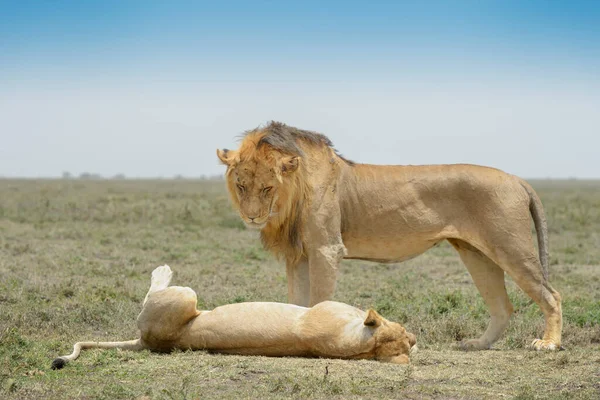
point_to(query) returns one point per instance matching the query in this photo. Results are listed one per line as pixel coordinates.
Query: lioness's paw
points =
(540, 344)
(473, 345)
(161, 277)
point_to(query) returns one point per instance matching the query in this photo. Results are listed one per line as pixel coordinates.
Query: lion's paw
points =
(541, 344)
(161, 277)
(473, 345)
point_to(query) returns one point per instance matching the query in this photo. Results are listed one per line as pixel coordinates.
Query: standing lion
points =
(314, 208)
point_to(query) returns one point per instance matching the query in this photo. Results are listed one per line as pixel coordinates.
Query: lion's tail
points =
(61, 361)
(541, 227)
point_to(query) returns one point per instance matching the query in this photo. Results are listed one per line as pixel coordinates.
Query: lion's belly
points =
(388, 249)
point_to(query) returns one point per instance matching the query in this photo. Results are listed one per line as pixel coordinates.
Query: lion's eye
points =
(241, 188)
(267, 189)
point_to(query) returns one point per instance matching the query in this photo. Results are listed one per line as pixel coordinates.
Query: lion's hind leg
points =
(519, 259)
(529, 278)
(161, 278)
(489, 280)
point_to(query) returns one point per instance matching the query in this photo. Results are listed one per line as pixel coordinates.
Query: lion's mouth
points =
(260, 222)
(256, 225)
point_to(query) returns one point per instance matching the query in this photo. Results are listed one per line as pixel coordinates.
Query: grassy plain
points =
(75, 261)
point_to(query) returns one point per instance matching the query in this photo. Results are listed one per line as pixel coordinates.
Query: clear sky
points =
(148, 88)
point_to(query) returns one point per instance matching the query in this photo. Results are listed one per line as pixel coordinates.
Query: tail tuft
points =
(58, 363)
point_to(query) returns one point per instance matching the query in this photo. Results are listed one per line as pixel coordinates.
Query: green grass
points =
(75, 260)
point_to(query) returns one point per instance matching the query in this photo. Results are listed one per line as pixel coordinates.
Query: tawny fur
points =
(170, 320)
(314, 208)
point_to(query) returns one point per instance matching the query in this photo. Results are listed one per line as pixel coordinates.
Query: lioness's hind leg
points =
(489, 279)
(161, 278)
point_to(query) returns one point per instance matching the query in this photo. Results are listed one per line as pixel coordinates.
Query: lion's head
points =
(258, 178)
(269, 184)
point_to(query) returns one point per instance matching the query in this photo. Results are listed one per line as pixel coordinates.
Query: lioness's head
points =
(392, 342)
(258, 180)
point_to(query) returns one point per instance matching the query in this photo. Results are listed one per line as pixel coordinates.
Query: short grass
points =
(75, 260)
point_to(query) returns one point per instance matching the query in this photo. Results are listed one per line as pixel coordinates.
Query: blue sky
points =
(111, 87)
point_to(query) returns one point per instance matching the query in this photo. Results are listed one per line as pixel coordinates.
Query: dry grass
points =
(75, 259)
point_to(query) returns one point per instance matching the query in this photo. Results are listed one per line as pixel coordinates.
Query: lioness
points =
(314, 208)
(169, 320)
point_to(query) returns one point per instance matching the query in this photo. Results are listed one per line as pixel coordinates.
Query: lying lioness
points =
(169, 320)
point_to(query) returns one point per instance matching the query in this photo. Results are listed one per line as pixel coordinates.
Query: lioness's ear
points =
(289, 164)
(373, 319)
(412, 339)
(227, 157)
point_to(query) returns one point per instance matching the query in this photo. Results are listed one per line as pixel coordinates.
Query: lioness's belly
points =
(246, 328)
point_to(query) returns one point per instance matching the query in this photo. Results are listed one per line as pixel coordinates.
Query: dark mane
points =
(285, 138)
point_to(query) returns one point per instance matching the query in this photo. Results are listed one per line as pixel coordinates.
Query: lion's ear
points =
(289, 164)
(227, 157)
(373, 319)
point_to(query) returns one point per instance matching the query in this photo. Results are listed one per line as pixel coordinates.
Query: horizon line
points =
(213, 177)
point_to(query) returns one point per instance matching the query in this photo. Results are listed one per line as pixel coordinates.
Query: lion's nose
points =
(252, 218)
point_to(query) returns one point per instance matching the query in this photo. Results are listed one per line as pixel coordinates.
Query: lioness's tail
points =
(61, 361)
(541, 227)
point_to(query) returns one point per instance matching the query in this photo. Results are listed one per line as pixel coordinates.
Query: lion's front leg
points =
(323, 268)
(324, 246)
(298, 282)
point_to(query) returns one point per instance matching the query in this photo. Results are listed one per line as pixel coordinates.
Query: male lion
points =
(169, 320)
(314, 208)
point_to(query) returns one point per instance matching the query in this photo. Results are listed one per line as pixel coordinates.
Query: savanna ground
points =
(75, 262)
